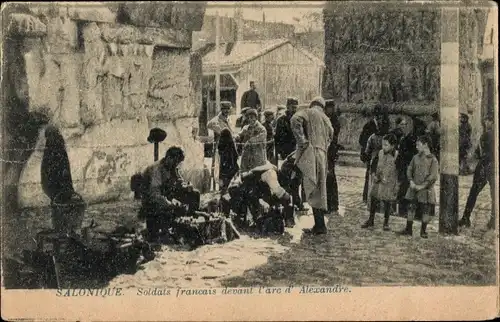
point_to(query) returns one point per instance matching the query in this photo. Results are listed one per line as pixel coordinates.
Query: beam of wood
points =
(449, 112)
(234, 79)
(410, 109)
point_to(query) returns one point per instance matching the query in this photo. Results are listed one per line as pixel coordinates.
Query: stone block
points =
(168, 96)
(61, 35)
(26, 25)
(104, 157)
(126, 34)
(188, 16)
(95, 12)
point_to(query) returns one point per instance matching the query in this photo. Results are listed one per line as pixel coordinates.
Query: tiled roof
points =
(242, 52)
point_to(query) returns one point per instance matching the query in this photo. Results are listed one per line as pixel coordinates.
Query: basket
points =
(67, 216)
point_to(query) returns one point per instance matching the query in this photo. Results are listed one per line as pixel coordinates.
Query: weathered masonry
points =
(105, 74)
(391, 53)
(279, 68)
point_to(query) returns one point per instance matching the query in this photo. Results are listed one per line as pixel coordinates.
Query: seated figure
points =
(259, 192)
(164, 193)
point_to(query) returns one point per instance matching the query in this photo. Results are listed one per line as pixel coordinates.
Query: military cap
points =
(319, 101)
(251, 111)
(226, 104)
(243, 110)
(292, 101)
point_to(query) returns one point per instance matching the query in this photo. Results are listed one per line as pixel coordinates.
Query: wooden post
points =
(217, 93)
(217, 62)
(449, 113)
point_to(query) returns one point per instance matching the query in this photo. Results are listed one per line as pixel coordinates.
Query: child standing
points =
(385, 181)
(422, 174)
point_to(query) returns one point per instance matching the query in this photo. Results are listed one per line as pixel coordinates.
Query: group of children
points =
(422, 173)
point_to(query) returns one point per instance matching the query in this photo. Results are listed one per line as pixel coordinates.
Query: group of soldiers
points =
(305, 141)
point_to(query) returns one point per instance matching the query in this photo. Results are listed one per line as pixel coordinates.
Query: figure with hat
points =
(284, 139)
(314, 133)
(218, 124)
(251, 99)
(268, 124)
(221, 120)
(464, 134)
(370, 128)
(483, 174)
(166, 194)
(254, 162)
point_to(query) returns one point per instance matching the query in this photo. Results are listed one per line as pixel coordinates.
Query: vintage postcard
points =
(249, 161)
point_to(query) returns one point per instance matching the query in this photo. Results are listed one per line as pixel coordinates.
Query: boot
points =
(465, 221)
(289, 216)
(319, 227)
(408, 231)
(370, 222)
(423, 233)
(386, 223)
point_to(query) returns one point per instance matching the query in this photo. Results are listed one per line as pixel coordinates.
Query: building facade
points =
(278, 68)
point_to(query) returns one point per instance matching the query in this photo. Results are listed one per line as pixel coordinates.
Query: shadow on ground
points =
(353, 256)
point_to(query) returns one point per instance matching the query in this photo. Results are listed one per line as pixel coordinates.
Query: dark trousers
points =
(482, 175)
(332, 191)
(367, 180)
(402, 202)
(160, 218)
(295, 191)
(375, 204)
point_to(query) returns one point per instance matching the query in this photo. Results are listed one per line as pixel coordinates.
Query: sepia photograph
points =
(229, 151)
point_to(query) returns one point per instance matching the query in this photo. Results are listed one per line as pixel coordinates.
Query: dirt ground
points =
(347, 255)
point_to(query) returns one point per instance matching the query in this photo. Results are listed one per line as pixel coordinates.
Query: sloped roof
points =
(242, 52)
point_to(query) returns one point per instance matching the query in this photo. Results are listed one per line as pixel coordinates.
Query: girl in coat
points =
(385, 181)
(373, 147)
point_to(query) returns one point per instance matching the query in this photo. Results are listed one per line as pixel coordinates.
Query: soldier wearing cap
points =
(251, 98)
(241, 120)
(284, 138)
(221, 120)
(268, 124)
(314, 133)
(219, 123)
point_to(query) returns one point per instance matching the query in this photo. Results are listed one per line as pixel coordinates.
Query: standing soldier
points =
(314, 133)
(284, 139)
(332, 187)
(251, 99)
(484, 173)
(219, 123)
(268, 124)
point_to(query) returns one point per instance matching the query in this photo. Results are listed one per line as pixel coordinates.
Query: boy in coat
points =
(422, 173)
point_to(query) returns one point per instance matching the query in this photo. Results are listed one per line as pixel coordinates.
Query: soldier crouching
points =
(165, 195)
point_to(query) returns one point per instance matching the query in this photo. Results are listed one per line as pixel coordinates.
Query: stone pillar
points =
(449, 111)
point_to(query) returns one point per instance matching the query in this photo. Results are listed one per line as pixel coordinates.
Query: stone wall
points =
(392, 54)
(106, 84)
